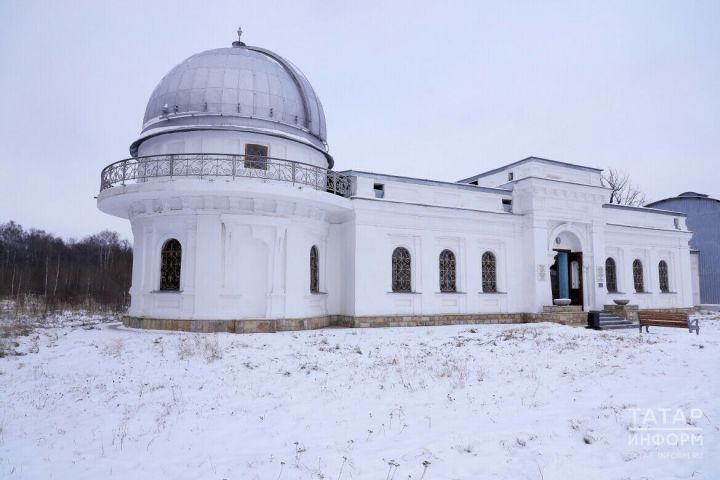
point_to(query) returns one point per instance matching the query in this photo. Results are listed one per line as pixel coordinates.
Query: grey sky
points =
(438, 90)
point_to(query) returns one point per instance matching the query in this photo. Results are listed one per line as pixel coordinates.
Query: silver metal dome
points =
(239, 88)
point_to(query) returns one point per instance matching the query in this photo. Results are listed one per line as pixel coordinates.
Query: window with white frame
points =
(638, 277)
(314, 270)
(664, 277)
(611, 275)
(489, 273)
(448, 272)
(170, 262)
(401, 270)
(256, 156)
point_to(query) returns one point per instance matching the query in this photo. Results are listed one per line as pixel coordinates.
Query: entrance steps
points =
(610, 321)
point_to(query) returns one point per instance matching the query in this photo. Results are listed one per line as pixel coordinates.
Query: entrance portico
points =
(566, 270)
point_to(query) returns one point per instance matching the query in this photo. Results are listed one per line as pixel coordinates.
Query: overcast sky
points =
(439, 90)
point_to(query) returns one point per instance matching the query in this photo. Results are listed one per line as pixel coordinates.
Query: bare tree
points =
(95, 270)
(622, 190)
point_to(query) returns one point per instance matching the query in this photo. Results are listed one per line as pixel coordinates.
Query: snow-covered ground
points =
(539, 401)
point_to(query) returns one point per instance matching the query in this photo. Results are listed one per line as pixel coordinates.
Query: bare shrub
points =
(456, 370)
(210, 348)
(185, 349)
(205, 345)
(115, 348)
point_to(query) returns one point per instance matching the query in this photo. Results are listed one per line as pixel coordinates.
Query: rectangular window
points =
(510, 176)
(256, 156)
(379, 190)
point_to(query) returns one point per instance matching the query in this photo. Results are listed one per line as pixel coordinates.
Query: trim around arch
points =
(567, 227)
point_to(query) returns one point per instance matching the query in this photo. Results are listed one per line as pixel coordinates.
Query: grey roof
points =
(685, 195)
(644, 209)
(241, 87)
(529, 159)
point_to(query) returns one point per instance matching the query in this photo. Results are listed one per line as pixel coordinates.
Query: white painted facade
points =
(246, 241)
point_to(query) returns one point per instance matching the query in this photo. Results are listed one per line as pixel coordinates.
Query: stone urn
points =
(562, 302)
(621, 301)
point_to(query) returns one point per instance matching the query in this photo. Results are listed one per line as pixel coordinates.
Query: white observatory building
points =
(241, 224)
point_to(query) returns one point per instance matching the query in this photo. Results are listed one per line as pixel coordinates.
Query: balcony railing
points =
(201, 165)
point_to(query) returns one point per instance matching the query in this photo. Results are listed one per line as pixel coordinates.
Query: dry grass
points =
(205, 345)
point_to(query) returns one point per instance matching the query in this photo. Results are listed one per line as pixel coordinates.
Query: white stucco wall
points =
(540, 168)
(230, 142)
(695, 274)
(246, 245)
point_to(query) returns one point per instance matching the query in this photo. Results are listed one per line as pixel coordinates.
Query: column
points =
(563, 275)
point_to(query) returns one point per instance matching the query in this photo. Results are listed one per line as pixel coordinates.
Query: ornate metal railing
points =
(200, 165)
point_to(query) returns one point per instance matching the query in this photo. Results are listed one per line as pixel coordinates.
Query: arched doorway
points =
(566, 272)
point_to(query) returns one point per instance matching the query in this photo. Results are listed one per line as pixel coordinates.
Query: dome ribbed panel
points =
(239, 83)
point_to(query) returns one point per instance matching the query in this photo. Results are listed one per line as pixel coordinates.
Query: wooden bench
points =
(667, 319)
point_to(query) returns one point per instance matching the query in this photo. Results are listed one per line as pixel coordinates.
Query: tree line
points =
(47, 272)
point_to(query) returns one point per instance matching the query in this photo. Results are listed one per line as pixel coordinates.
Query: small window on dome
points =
(256, 156)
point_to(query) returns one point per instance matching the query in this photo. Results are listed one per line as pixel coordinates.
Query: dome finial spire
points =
(238, 42)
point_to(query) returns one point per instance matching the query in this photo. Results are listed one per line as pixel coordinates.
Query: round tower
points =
(230, 193)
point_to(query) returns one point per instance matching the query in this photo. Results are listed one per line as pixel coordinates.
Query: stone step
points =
(614, 322)
(620, 327)
(611, 321)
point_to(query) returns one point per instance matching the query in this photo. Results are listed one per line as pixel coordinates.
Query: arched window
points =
(401, 270)
(489, 273)
(611, 275)
(170, 261)
(314, 270)
(638, 276)
(664, 280)
(447, 271)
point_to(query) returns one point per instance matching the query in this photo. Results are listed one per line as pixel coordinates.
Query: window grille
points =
(401, 270)
(664, 280)
(314, 270)
(638, 276)
(170, 261)
(611, 275)
(447, 272)
(489, 273)
(256, 156)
